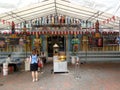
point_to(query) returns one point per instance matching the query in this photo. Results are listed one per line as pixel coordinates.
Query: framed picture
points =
(95, 42)
(99, 42)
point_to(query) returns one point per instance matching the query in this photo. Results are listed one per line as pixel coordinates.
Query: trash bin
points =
(27, 64)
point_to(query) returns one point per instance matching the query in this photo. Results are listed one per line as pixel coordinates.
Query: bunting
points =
(108, 20)
(5, 22)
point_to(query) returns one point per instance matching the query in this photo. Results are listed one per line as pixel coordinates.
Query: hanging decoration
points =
(108, 20)
(28, 33)
(39, 33)
(87, 32)
(104, 33)
(64, 32)
(109, 33)
(71, 32)
(5, 22)
(13, 27)
(67, 32)
(5, 33)
(92, 33)
(77, 32)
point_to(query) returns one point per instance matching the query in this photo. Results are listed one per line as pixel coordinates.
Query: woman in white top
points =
(34, 65)
(10, 63)
(8, 60)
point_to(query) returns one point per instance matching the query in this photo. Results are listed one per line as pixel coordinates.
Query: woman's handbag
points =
(40, 64)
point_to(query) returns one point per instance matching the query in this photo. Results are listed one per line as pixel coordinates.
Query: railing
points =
(14, 55)
(98, 55)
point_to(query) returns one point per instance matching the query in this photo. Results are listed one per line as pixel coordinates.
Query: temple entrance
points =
(51, 40)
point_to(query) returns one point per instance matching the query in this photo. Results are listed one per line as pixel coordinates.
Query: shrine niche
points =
(2, 42)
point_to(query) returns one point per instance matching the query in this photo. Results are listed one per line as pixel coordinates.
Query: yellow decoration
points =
(13, 36)
(37, 43)
(84, 38)
(62, 58)
(97, 35)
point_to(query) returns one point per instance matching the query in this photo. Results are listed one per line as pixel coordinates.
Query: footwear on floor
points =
(41, 72)
(33, 80)
(36, 80)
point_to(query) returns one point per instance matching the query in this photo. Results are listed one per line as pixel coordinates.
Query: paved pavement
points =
(90, 76)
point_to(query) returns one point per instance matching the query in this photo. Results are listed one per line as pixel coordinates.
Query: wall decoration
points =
(2, 43)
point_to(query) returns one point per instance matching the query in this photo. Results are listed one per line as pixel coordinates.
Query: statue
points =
(97, 26)
(75, 41)
(13, 27)
(37, 43)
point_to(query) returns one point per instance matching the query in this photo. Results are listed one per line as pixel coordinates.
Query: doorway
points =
(59, 40)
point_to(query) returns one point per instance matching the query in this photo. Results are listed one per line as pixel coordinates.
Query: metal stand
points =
(77, 68)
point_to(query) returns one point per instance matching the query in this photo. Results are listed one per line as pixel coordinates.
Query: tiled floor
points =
(92, 76)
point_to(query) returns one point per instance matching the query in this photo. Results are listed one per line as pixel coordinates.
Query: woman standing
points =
(34, 65)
